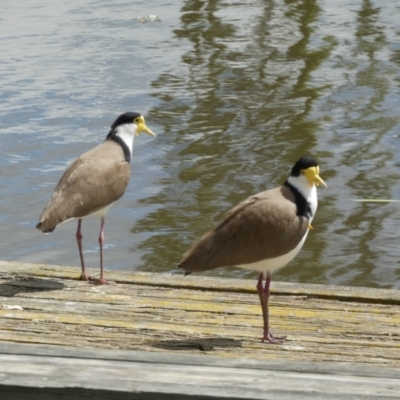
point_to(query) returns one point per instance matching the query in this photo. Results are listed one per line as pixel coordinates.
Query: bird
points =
(262, 233)
(94, 182)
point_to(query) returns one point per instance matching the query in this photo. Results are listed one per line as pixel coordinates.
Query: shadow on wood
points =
(201, 344)
(28, 285)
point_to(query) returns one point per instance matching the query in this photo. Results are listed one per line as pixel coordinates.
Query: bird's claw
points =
(270, 338)
(84, 277)
(100, 281)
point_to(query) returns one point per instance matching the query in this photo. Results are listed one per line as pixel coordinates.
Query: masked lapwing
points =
(94, 182)
(262, 233)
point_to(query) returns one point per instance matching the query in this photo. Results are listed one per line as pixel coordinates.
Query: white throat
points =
(127, 133)
(309, 192)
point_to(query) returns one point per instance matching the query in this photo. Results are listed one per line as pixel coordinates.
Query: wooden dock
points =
(192, 337)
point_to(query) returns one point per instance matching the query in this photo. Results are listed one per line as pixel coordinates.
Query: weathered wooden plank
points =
(194, 281)
(197, 315)
(50, 372)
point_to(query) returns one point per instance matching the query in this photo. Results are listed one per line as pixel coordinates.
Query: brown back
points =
(263, 226)
(96, 179)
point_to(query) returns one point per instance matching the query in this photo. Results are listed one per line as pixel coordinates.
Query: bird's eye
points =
(136, 120)
(303, 172)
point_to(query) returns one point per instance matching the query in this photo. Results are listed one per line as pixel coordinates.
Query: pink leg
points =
(79, 236)
(263, 293)
(101, 281)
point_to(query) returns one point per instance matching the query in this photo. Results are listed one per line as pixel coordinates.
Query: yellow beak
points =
(312, 175)
(141, 127)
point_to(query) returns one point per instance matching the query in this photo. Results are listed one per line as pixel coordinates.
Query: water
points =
(236, 92)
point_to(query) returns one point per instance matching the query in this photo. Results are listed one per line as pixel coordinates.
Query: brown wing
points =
(93, 181)
(262, 227)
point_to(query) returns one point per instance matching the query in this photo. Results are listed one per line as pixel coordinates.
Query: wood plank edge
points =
(197, 360)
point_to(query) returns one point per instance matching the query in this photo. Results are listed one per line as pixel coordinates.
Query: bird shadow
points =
(208, 344)
(24, 284)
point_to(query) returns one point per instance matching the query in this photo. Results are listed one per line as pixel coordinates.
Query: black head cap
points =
(125, 118)
(303, 163)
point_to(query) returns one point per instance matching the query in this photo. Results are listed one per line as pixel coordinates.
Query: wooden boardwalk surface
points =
(175, 315)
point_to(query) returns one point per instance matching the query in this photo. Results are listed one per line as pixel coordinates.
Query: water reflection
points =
(241, 99)
(360, 239)
(262, 85)
(366, 119)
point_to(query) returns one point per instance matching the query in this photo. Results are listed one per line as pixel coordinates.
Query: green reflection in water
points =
(358, 245)
(236, 117)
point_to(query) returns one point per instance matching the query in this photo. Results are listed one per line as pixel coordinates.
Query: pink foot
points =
(100, 281)
(83, 277)
(270, 338)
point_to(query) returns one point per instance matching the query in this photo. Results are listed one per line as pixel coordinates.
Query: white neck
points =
(127, 133)
(309, 192)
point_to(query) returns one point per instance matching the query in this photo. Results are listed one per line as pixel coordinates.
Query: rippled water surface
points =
(236, 92)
